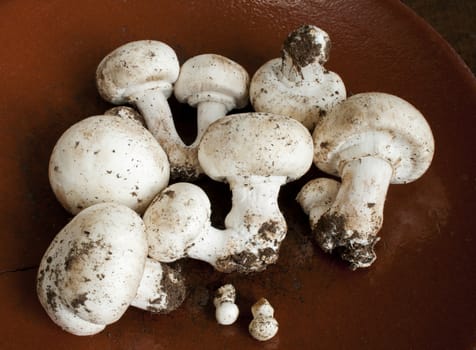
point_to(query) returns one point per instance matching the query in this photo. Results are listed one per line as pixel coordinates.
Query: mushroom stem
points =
(155, 109)
(356, 215)
(161, 288)
(255, 203)
(209, 245)
(254, 226)
(153, 105)
(295, 73)
(207, 113)
(304, 51)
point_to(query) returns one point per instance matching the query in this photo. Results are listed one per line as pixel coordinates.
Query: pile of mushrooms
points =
(113, 171)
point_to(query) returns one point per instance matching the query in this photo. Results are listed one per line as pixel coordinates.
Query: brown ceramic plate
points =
(420, 294)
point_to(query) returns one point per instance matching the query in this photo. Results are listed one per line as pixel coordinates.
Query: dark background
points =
(455, 20)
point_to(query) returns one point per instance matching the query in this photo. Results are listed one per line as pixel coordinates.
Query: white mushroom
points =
(370, 140)
(255, 153)
(214, 85)
(263, 326)
(226, 311)
(96, 267)
(297, 84)
(107, 158)
(142, 73)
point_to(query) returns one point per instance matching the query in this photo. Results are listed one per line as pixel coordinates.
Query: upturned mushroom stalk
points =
(255, 153)
(370, 140)
(297, 84)
(207, 113)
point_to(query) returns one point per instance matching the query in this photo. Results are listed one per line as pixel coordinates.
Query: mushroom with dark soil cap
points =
(97, 266)
(370, 140)
(255, 153)
(297, 84)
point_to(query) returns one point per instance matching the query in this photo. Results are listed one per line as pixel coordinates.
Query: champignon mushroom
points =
(297, 84)
(96, 267)
(263, 326)
(107, 158)
(370, 140)
(255, 153)
(226, 311)
(142, 73)
(215, 85)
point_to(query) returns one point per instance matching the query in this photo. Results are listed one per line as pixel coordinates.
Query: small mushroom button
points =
(226, 311)
(263, 326)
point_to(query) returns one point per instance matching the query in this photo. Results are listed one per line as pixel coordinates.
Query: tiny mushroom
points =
(226, 311)
(263, 326)
(370, 140)
(297, 84)
(107, 158)
(97, 266)
(255, 153)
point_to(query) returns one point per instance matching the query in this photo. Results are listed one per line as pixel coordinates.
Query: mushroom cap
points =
(375, 124)
(303, 100)
(91, 271)
(174, 219)
(261, 144)
(107, 158)
(317, 194)
(136, 66)
(211, 77)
